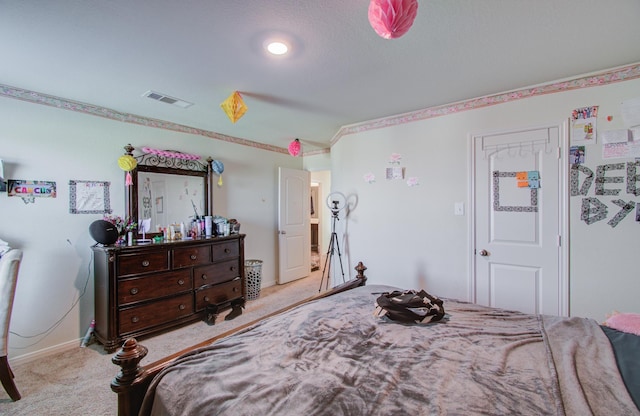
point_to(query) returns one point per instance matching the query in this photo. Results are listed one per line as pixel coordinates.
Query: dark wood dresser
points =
(145, 289)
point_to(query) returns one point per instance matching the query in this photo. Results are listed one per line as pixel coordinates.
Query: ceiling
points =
(340, 72)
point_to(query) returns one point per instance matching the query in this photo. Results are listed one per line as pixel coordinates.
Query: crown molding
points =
(94, 110)
(611, 76)
(620, 74)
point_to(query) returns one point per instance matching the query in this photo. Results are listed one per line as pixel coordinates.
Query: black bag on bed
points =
(410, 306)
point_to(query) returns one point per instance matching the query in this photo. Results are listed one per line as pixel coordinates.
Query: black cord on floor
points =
(49, 330)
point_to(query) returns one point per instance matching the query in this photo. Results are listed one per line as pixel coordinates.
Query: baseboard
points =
(267, 283)
(45, 352)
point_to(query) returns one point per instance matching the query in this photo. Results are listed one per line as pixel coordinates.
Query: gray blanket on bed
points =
(333, 357)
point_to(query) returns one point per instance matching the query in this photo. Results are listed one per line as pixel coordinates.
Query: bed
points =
(332, 356)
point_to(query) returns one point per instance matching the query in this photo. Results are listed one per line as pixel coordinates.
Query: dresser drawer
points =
(227, 250)
(153, 261)
(143, 289)
(156, 286)
(155, 313)
(191, 256)
(216, 273)
(215, 295)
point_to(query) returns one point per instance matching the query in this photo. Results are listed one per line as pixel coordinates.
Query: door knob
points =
(283, 232)
(483, 253)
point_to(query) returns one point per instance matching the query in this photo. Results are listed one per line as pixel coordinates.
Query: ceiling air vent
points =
(166, 99)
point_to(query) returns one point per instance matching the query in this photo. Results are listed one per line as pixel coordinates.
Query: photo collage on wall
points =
(606, 180)
(393, 172)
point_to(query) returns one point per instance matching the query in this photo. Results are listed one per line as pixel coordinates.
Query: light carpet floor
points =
(77, 382)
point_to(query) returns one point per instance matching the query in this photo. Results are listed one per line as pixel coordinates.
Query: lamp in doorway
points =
(295, 147)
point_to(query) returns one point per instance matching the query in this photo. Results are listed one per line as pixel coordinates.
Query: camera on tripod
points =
(335, 205)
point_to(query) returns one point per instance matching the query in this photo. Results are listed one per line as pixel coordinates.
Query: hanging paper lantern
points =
(218, 168)
(127, 163)
(234, 106)
(295, 147)
(392, 18)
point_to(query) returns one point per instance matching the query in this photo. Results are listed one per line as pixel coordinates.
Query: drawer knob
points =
(232, 268)
(226, 250)
(235, 289)
(206, 298)
(180, 282)
(134, 291)
(204, 277)
(135, 319)
(145, 263)
(193, 257)
(181, 307)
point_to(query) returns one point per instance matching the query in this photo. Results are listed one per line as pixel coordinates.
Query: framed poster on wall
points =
(89, 197)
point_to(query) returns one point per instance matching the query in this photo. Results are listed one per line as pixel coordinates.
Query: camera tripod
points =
(333, 246)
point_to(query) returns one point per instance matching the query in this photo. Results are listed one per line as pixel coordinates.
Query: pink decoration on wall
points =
(392, 18)
(294, 147)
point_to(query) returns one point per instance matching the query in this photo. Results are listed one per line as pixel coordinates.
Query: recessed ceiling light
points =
(277, 48)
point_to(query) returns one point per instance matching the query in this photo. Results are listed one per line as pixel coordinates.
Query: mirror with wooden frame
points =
(167, 190)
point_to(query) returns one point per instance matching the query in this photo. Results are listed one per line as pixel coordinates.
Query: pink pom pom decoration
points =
(294, 148)
(392, 18)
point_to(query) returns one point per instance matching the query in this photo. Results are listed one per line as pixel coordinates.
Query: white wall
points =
(45, 143)
(409, 236)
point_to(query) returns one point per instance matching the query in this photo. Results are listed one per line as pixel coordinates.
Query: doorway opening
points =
(315, 225)
(320, 217)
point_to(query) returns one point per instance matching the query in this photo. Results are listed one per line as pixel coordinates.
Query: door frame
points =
(563, 209)
(286, 276)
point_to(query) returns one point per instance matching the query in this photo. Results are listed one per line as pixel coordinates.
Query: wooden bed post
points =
(129, 395)
(360, 268)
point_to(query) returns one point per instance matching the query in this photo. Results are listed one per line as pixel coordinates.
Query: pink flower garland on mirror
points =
(392, 18)
(170, 153)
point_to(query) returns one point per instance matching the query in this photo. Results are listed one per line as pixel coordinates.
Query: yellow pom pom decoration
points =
(127, 163)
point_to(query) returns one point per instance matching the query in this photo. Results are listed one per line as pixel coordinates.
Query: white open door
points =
(519, 221)
(294, 224)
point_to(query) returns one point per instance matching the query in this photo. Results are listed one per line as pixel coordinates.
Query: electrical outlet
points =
(458, 208)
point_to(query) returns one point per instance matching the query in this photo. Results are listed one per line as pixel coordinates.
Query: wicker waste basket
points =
(253, 274)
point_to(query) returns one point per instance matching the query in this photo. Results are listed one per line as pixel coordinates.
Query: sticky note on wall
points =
(528, 179)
